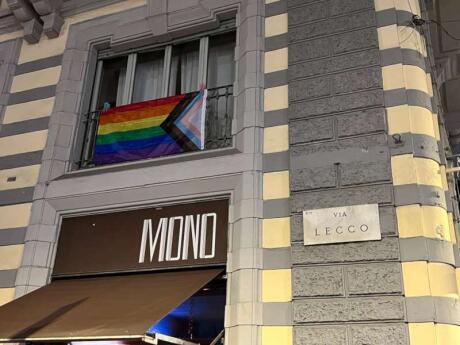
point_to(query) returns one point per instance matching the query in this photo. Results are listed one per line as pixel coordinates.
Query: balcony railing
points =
(218, 126)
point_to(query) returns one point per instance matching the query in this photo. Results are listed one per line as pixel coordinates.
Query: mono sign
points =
(152, 238)
(341, 224)
(180, 233)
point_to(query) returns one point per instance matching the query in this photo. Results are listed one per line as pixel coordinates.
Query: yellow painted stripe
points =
(21, 143)
(276, 25)
(11, 256)
(406, 37)
(32, 80)
(276, 335)
(447, 334)
(381, 5)
(15, 216)
(131, 125)
(426, 221)
(276, 139)
(24, 177)
(276, 60)
(276, 185)
(429, 279)
(412, 6)
(276, 285)
(276, 233)
(422, 333)
(410, 119)
(6, 295)
(457, 273)
(29, 110)
(407, 169)
(276, 98)
(400, 76)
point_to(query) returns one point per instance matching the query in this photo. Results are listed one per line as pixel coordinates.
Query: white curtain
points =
(148, 80)
(121, 86)
(187, 77)
(221, 65)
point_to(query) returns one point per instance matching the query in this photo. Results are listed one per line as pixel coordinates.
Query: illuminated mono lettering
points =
(175, 236)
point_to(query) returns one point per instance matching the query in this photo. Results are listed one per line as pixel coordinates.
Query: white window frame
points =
(131, 72)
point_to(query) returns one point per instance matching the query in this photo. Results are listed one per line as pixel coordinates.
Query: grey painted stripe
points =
(276, 42)
(16, 196)
(442, 153)
(21, 160)
(457, 256)
(277, 258)
(32, 95)
(275, 8)
(40, 64)
(397, 97)
(7, 278)
(276, 78)
(392, 16)
(411, 194)
(426, 249)
(277, 314)
(277, 208)
(449, 201)
(433, 309)
(395, 56)
(420, 145)
(24, 126)
(278, 161)
(12, 236)
(276, 118)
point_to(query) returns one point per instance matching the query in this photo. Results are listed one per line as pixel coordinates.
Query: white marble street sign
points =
(341, 224)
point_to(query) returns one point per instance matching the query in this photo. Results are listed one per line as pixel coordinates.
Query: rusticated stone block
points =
(310, 130)
(317, 281)
(348, 309)
(379, 335)
(376, 278)
(383, 250)
(328, 335)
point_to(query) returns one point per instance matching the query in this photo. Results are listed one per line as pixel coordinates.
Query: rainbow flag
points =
(151, 129)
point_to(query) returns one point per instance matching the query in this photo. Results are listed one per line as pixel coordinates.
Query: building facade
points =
(311, 105)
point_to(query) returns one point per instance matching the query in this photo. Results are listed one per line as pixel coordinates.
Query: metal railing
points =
(218, 126)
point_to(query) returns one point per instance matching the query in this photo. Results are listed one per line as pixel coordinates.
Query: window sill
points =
(150, 162)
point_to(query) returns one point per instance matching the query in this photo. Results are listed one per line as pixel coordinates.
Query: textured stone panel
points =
(383, 250)
(348, 309)
(327, 335)
(356, 40)
(379, 335)
(314, 178)
(309, 50)
(309, 88)
(309, 13)
(378, 278)
(357, 80)
(340, 197)
(335, 104)
(334, 64)
(361, 122)
(310, 130)
(338, 7)
(367, 172)
(317, 281)
(331, 26)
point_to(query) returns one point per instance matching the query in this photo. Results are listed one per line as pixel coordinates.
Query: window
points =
(162, 73)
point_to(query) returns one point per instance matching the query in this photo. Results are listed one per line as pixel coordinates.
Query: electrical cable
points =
(444, 29)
